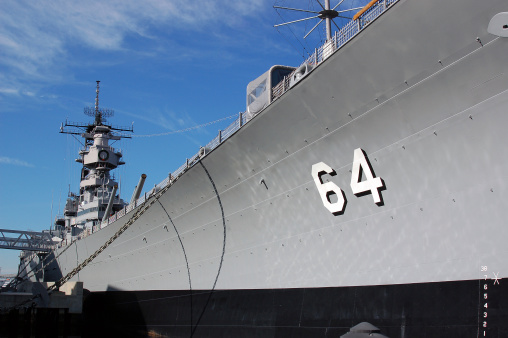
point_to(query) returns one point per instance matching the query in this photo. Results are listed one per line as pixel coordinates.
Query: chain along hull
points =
(423, 92)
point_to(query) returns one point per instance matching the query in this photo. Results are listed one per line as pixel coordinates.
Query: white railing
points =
(341, 37)
(130, 207)
(120, 213)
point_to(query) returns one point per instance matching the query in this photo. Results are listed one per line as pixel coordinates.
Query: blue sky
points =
(163, 65)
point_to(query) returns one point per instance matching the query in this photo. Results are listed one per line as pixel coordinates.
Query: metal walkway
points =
(25, 240)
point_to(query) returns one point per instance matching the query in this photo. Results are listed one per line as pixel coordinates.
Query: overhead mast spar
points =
(326, 15)
(99, 114)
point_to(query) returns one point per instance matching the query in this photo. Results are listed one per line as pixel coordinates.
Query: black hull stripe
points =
(445, 309)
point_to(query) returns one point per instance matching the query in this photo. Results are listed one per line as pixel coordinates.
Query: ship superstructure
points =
(97, 198)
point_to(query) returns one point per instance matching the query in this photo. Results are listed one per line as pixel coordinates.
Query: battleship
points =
(362, 193)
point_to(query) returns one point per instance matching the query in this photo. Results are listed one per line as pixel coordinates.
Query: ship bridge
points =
(26, 240)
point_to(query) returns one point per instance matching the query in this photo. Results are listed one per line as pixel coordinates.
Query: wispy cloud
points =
(168, 120)
(10, 91)
(35, 36)
(15, 161)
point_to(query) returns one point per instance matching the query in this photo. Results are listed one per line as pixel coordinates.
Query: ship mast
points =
(97, 112)
(327, 15)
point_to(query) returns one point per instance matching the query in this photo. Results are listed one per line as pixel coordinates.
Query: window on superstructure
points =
(260, 89)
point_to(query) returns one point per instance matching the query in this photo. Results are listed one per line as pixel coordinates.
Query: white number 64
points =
(360, 164)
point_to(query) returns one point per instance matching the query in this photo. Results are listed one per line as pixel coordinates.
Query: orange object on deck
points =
(364, 9)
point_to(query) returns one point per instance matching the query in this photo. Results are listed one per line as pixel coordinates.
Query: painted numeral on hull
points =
(328, 188)
(370, 184)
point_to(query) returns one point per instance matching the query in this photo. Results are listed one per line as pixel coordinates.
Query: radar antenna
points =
(327, 15)
(100, 114)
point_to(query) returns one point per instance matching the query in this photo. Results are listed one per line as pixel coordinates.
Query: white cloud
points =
(35, 35)
(10, 91)
(15, 161)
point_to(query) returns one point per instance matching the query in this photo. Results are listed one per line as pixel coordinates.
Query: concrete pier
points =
(48, 315)
(69, 296)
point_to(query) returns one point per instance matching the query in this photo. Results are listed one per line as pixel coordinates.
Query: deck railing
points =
(341, 37)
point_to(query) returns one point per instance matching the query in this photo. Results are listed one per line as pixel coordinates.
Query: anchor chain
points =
(120, 231)
(109, 241)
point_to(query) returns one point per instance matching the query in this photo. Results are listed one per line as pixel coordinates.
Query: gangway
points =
(26, 240)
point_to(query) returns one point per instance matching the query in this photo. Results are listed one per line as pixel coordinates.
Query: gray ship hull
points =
(242, 243)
